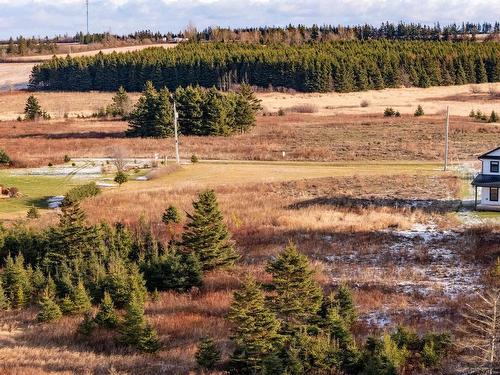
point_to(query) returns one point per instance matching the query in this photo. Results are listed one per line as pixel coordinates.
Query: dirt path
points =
(15, 75)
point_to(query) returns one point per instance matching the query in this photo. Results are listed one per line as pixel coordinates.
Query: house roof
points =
(486, 180)
(487, 155)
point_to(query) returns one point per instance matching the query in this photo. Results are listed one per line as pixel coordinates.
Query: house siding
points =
(485, 198)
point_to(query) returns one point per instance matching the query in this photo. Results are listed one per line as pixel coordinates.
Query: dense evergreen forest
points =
(341, 66)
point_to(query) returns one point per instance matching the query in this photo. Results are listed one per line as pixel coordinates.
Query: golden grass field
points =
(363, 196)
(434, 100)
(16, 72)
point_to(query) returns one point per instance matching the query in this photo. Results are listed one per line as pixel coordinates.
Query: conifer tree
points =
(208, 355)
(171, 215)
(255, 331)
(67, 305)
(81, 300)
(106, 316)
(17, 281)
(245, 108)
(121, 103)
(345, 303)
(135, 331)
(297, 297)
(33, 213)
(72, 238)
(190, 107)
(4, 302)
(87, 324)
(49, 310)
(207, 236)
(419, 111)
(33, 110)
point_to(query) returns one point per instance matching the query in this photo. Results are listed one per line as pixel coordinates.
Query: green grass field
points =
(34, 190)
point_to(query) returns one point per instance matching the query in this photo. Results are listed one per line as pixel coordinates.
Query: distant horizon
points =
(41, 18)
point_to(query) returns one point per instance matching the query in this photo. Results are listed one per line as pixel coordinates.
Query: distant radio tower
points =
(87, 4)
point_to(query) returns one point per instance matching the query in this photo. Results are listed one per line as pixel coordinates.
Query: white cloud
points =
(48, 17)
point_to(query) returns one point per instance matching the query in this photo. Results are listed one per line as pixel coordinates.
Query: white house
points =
(489, 181)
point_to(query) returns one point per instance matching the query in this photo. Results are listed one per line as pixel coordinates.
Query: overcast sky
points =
(52, 17)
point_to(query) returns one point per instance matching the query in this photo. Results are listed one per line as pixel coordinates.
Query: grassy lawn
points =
(34, 190)
(216, 173)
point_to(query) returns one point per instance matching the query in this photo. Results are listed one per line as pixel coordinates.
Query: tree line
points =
(200, 111)
(299, 34)
(341, 66)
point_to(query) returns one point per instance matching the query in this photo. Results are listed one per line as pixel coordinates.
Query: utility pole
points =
(446, 138)
(176, 117)
(87, 3)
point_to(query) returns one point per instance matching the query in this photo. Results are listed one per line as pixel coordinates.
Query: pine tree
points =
(419, 111)
(208, 355)
(493, 117)
(87, 324)
(106, 316)
(345, 303)
(246, 107)
(297, 297)
(49, 309)
(4, 302)
(33, 213)
(67, 305)
(255, 328)
(72, 238)
(207, 236)
(17, 281)
(4, 158)
(121, 103)
(135, 331)
(81, 300)
(33, 110)
(171, 215)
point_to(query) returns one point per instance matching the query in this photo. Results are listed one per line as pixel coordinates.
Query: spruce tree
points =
(171, 215)
(255, 331)
(135, 331)
(296, 295)
(4, 302)
(419, 111)
(208, 354)
(106, 316)
(49, 310)
(87, 324)
(207, 236)
(121, 103)
(33, 213)
(17, 281)
(246, 107)
(81, 300)
(345, 303)
(33, 110)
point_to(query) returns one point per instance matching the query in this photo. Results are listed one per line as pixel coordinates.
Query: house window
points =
(494, 167)
(494, 194)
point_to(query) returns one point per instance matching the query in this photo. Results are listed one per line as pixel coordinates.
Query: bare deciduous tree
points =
(481, 344)
(119, 155)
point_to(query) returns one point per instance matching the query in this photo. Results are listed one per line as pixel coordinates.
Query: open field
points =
(303, 137)
(460, 99)
(15, 74)
(400, 272)
(363, 196)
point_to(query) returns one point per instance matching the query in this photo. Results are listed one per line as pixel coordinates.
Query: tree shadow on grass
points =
(427, 205)
(74, 135)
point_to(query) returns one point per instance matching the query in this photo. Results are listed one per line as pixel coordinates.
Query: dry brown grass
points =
(304, 137)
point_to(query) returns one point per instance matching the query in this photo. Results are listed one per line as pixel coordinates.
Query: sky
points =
(54, 17)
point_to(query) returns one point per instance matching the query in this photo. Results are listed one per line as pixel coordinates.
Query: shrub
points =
(194, 159)
(281, 112)
(87, 325)
(33, 213)
(493, 117)
(472, 114)
(81, 192)
(208, 354)
(389, 112)
(4, 158)
(120, 178)
(397, 114)
(419, 111)
(364, 103)
(304, 108)
(67, 159)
